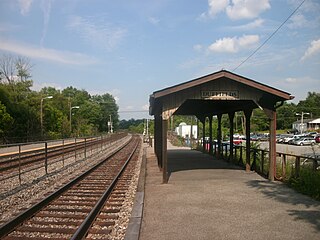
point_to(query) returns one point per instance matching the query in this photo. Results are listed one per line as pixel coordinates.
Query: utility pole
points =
(70, 114)
(301, 124)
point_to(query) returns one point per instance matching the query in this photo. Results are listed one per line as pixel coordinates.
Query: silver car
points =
(304, 141)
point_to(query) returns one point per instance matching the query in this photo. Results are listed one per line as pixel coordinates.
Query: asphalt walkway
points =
(211, 199)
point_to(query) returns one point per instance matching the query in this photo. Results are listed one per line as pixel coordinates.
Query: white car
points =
(304, 141)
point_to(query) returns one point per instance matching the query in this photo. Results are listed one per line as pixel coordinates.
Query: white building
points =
(308, 124)
(184, 130)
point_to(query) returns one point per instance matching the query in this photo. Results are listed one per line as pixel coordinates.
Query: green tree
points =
(310, 105)
(5, 120)
(286, 116)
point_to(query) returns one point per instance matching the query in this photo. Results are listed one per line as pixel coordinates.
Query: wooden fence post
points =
(262, 161)
(284, 166)
(19, 164)
(46, 157)
(297, 166)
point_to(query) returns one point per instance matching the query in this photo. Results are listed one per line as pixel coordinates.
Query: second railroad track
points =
(86, 207)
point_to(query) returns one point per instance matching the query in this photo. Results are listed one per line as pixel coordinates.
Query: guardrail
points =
(40, 155)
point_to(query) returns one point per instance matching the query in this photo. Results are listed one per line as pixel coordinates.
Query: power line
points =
(269, 37)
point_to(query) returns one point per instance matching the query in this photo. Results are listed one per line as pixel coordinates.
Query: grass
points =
(307, 183)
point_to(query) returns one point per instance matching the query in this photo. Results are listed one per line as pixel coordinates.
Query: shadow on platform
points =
(185, 159)
(284, 194)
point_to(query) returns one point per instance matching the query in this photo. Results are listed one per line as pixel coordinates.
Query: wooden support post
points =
(164, 152)
(297, 167)
(248, 113)
(284, 166)
(158, 139)
(198, 133)
(219, 135)
(241, 157)
(272, 142)
(262, 162)
(203, 121)
(231, 117)
(210, 136)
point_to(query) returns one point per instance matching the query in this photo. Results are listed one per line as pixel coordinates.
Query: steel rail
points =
(15, 222)
(86, 224)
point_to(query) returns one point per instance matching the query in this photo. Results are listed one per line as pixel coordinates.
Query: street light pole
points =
(301, 124)
(111, 128)
(41, 112)
(74, 107)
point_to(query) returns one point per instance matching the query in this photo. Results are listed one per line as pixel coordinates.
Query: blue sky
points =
(130, 48)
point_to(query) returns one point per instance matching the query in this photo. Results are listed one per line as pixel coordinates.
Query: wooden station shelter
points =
(215, 94)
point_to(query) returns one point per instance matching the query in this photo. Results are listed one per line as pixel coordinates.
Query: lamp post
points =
(41, 112)
(110, 125)
(74, 107)
(301, 124)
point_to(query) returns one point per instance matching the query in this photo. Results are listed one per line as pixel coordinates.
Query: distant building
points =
(308, 124)
(184, 130)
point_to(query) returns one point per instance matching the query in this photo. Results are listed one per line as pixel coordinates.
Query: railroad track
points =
(87, 207)
(12, 164)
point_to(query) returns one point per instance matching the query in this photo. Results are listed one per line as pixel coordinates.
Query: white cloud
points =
(216, 6)
(46, 9)
(24, 6)
(197, 47)
(235, 44)
(97, 32)
(8, 27)
(246, 9)
(297, 21)
(249, 26)
(145, 107)
(38, 86)
(313, 49)
(64, 57)
(291, 80)
(153, 20)
(237, 9)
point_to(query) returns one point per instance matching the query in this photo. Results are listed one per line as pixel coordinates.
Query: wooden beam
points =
(164, 152)
(272, 115)
(219, 116)
(210, 136)
(247, 114)
(158, 140)
(202, 119)
(231, 118)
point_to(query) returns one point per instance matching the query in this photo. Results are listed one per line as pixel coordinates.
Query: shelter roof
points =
(219, 92)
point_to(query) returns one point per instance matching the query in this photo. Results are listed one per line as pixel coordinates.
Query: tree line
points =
(28, 115)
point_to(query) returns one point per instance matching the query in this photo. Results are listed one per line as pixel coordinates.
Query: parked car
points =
(317, 139)
(287, 139)
(281, 137)
(295, 138)
(305, 141)
(312, 134)
(238, 140)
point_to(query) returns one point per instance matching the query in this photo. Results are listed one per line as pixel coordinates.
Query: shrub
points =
(307, 183)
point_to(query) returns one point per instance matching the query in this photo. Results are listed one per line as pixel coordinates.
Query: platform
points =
(207, 198)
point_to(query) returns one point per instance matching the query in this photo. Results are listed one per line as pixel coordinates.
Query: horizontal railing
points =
(286, 164)
(41, 155)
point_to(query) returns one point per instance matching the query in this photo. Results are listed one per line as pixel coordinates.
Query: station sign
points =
(221, 94)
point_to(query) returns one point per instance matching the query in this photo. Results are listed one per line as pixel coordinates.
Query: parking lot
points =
(293, 149)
